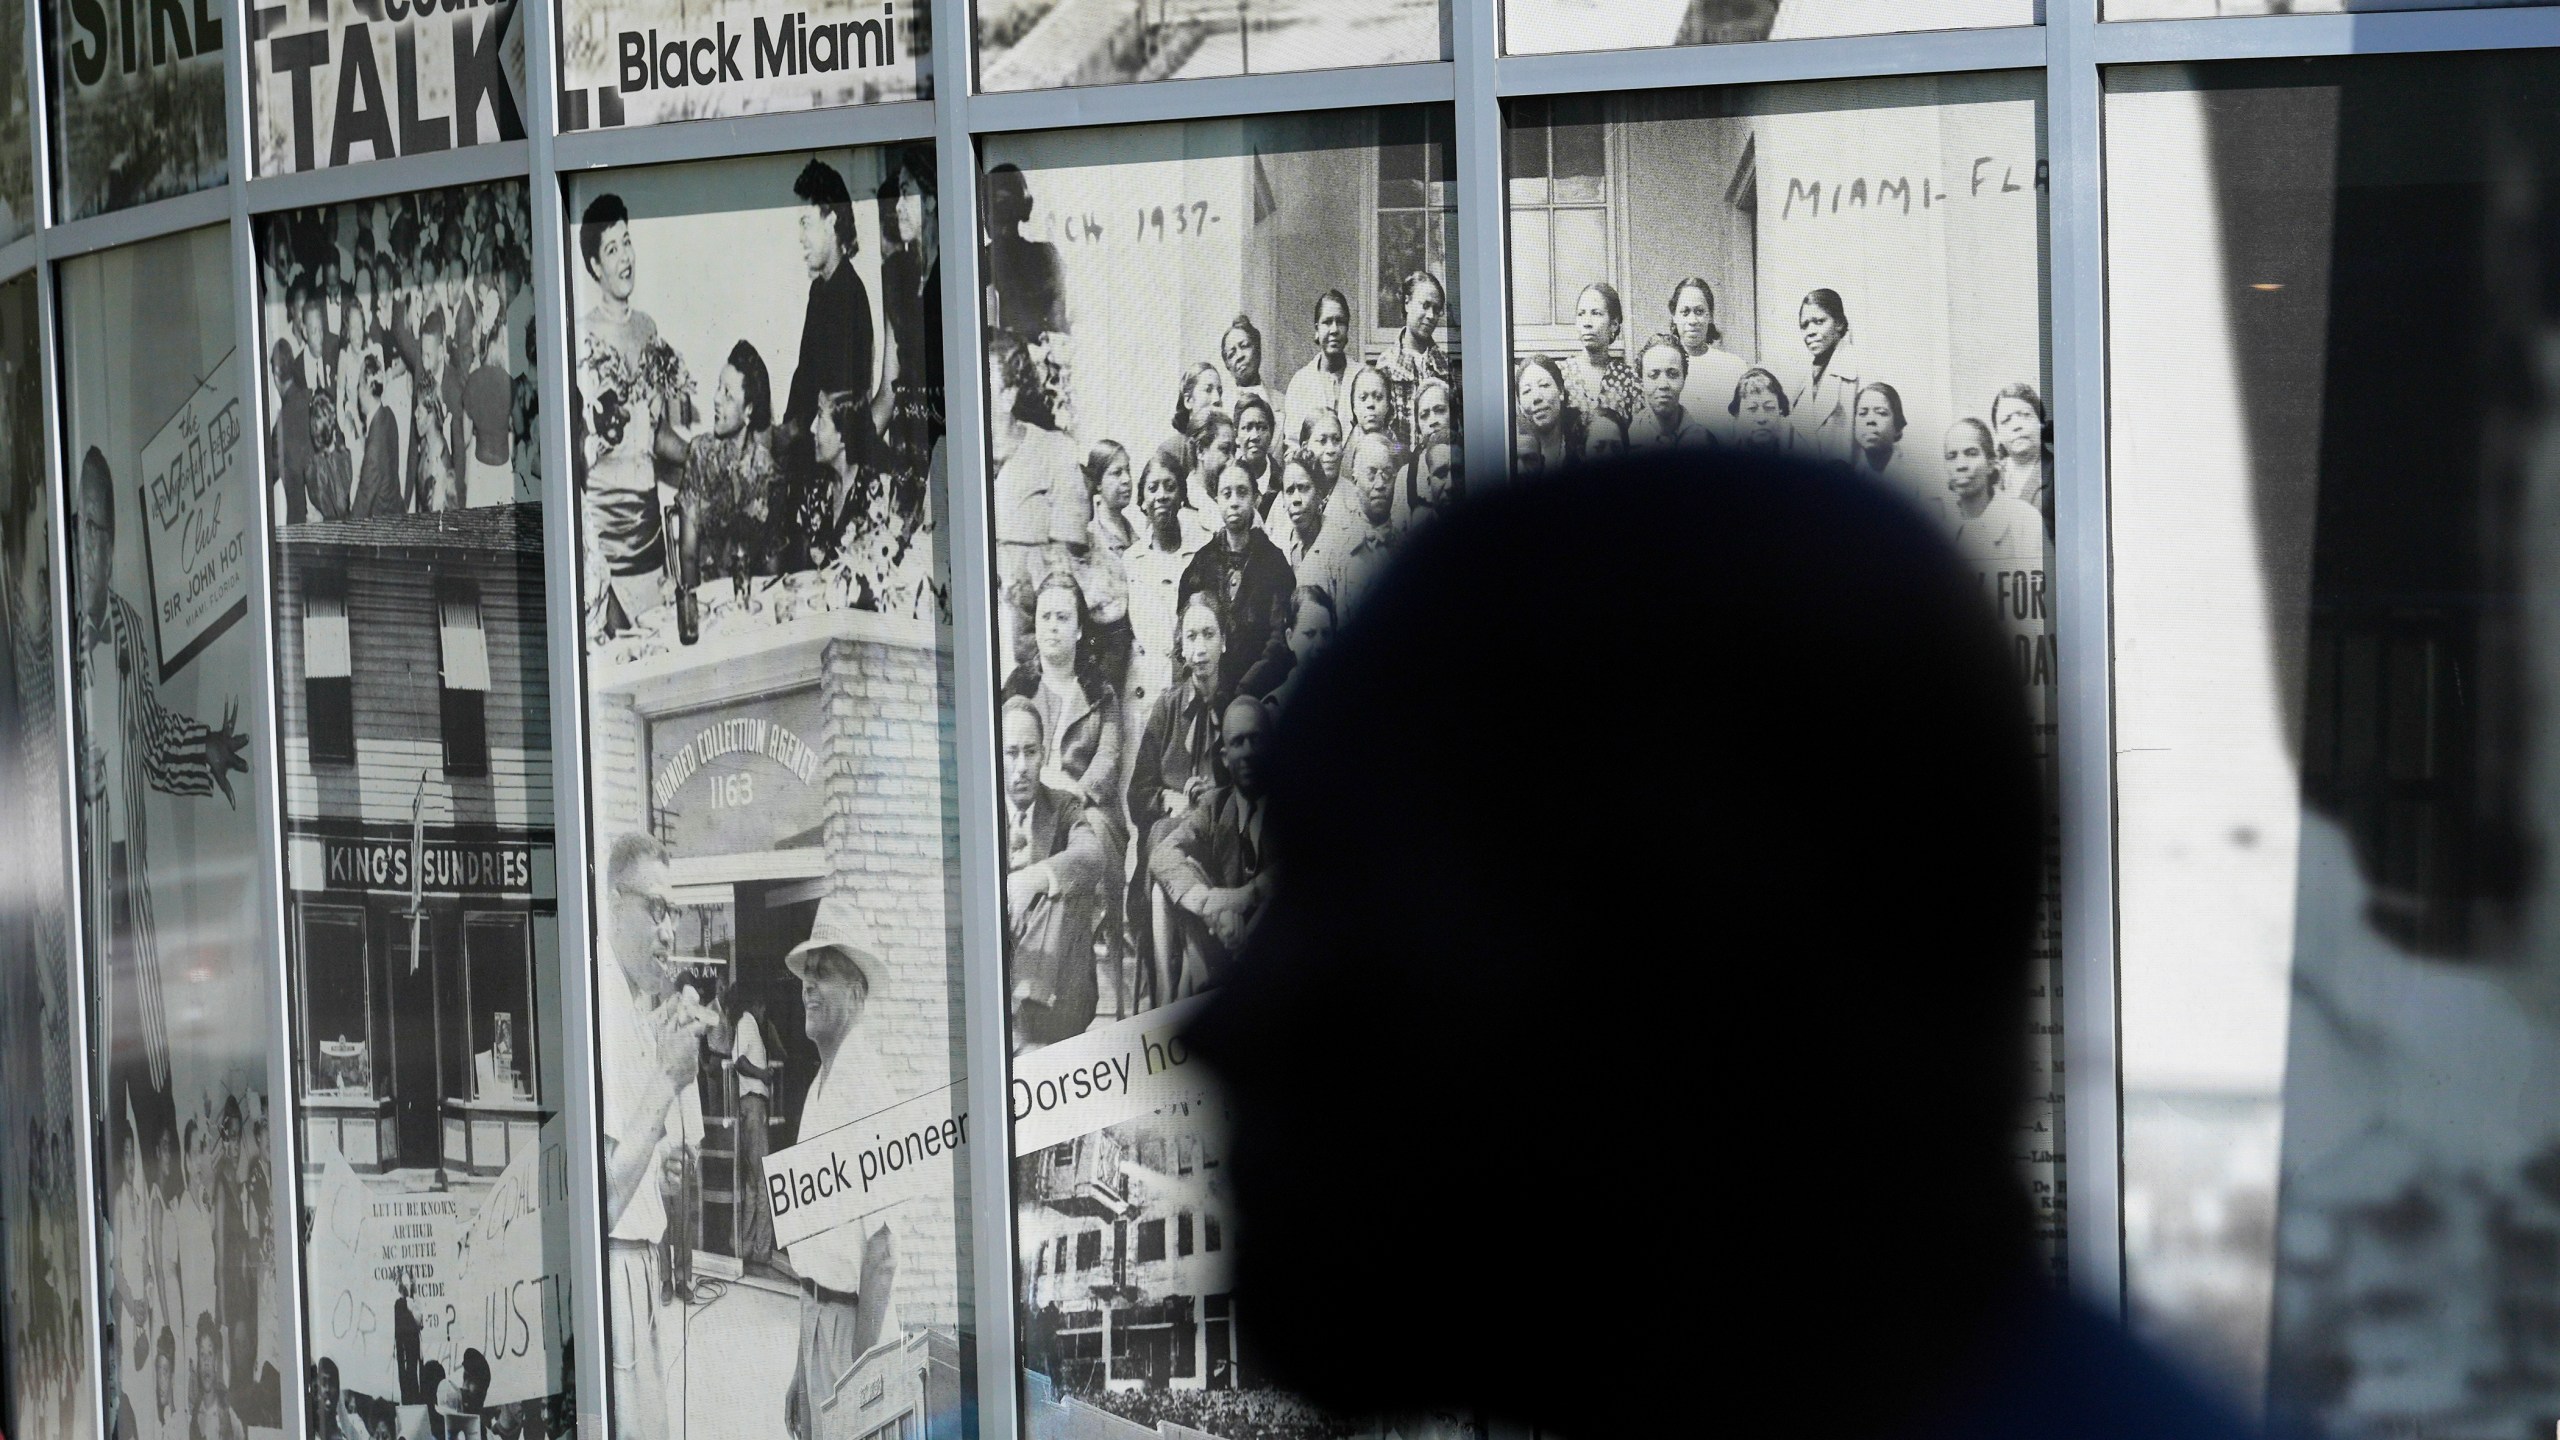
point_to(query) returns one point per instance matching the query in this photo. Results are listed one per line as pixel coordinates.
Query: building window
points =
(337, 1004)
(902, 1428)
(1213, 1237)
(328, 683)
(1088, 1249)
(1218, 1325)
(498, 955)
(1150, 1240)
(1186, 1154)
(465, 685)
(1556, 167)
(1182, 1233)
(1417, 208)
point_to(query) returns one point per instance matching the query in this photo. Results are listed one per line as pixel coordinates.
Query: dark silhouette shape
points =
(1640, 1007)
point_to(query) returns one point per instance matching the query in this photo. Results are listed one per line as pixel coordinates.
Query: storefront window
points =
(1538, 27)
(337, 1004)
(758, 395)
(1045, 44)
(2199, 9)
(1846, 272)
(340, 81)
(499, 957)
(2335, 816)
(42, 1139)
(1137, 378)
(171, 744)
(137, 96)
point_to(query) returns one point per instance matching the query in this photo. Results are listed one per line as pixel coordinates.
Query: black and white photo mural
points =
(421, 920)
(765, 608)
(1850, 274)
(1219, 397)
(42, 1153)
(167, 749)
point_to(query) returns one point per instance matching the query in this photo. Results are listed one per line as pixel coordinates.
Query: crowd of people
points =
(190, 1329)
(1990, 485)
(51, 1316)
(1157, 600)
(820, 469)
(431, 1404)
(1228, 1414)
(391, 384)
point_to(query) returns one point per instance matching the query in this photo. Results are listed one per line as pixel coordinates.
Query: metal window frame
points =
(2072, 47)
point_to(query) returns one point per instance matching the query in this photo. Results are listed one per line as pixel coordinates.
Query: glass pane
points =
(758, 395)
(137, 98)
(2198, 9)
(1533, 27)
(2334, 815)
(1721, 243)
(42, 1151)
(1045, 44)
(717, 58)
(397, 336)
(1532, 266)
(171, 753)
(1102, 788)
(334, 81)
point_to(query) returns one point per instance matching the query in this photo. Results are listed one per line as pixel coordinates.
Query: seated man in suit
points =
(1211, 862)
(1062, 856)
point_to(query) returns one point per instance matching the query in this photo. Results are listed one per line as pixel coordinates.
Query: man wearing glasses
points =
(649, 1051)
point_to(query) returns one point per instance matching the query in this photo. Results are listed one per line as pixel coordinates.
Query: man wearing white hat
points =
(847, 1273)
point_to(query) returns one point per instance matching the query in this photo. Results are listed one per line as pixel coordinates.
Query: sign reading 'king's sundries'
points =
(444, 867)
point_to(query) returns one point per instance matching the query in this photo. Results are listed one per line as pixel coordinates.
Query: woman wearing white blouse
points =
(1713, 370)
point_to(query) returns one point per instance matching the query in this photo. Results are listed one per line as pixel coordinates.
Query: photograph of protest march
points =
(758, 431)
(165, 678)
(340, 81)
(647, 62)
(1043, 44)
(1851, 274)
(48, 1391)
(1218, 398)
(138, 95)
(1537, 27)
(421, 911)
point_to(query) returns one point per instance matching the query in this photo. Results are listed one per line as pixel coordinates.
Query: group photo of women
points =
(757, 398)
(1987, 481)
(1161, 588)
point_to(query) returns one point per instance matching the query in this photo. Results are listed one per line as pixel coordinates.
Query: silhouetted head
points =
(1658, 852)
